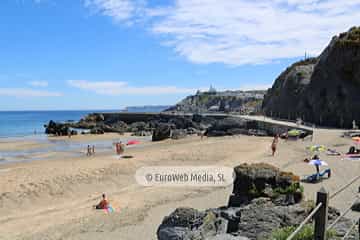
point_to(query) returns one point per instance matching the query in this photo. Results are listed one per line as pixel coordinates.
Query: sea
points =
(31, 123)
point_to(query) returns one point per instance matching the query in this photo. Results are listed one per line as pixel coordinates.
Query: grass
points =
(294, 187)
(306, 233)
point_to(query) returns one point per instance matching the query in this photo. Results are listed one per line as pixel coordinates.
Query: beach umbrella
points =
(317, 162)
(133, 142)
(317, 148)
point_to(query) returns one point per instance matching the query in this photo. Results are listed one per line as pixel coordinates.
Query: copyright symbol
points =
(149, 177)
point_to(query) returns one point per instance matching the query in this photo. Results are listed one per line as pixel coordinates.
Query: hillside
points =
(244, 102)
(323, 90)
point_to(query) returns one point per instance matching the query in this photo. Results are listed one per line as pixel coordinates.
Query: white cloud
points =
(252, 32)
(26, 92)
(39, 83)
(237, 32)
(119, 10)
(113, 88)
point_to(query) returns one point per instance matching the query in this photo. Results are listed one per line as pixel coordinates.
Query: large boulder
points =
(254, 221)
(58, 129)
(264, 180)
(161, 132)
(322, 90)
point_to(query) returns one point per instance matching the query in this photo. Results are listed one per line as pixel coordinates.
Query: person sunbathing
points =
(103, 204)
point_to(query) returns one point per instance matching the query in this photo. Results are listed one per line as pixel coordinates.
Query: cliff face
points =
(323, 90)
(245, 102)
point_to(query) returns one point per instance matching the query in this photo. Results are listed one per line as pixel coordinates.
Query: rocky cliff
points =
(323, 90)
(245, 102)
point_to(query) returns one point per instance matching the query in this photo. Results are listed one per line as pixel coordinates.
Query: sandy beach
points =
(53, 198)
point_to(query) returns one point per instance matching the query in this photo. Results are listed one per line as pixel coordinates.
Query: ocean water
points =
(16, 125)
(28, 123)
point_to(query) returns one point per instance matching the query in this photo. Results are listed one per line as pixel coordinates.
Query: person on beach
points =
(93, 150)
(274, 144)
(316, 157)
(88, 153)
(103, 204)
(119, 148)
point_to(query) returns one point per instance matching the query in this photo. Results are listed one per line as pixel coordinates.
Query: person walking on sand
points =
(93, 150)
(274, 144)
(88, 153)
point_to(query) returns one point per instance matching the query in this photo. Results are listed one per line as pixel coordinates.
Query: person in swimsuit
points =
(103, 204)
(274, 144)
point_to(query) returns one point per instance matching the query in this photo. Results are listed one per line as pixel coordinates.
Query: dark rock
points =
(138, 126)
(58, 129)
(141, 133)
(178, 133)
(262, 216)
(161, 132)
(258, 132)
(236, 131)
(264, 180)
(227, 126)
(356, 206)
(254, 221)
(182, 122)
(97, 131)
(191, 131)
(321, 90)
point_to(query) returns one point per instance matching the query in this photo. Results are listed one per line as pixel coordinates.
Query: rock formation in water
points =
(323, 90)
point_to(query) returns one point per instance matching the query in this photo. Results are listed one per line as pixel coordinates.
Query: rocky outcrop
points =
(265, 190)
(322, 90)
(161, 132)
(59, 129)
(234, 126)
(178, 133)
(244, 102)
(264, 180)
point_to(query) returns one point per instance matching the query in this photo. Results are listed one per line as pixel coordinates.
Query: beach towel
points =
(352, 157)
(133, 142)
(109, 209)
(332, 152)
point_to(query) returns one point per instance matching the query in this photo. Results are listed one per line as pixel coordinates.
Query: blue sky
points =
(107, 54)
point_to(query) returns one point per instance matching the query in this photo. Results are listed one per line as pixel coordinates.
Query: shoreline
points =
(27, 150)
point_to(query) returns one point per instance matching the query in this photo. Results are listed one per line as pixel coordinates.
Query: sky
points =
(108, 54)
